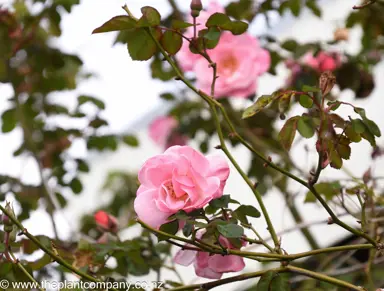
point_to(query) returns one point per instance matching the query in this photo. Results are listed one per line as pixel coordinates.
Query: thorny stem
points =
(49, 252)
(262, 241)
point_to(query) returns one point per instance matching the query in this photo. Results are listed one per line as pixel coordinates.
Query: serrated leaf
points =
(237, 27)
(151, 17)
(187, 229)
(306, 101)
(352, 134)
(288, 132)
(230, 230)
(141, 46)
(171, 42)
(260, 103)
(305, 127)
(116, 23)
(204, 42)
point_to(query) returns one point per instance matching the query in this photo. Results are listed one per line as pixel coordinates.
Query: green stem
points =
(324, 278)
(262, 241)
(46, 250)
(242, 277)
(21, 267)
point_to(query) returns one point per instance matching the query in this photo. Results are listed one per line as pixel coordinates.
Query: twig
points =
(364, 4)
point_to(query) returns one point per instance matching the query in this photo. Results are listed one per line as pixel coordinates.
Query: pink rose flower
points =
(163, 132)
(186, 58)
(210, 266)
(324, 61)
(240, 61)
(179, 179)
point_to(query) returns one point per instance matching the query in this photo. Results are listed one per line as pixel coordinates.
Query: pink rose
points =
(163, 132)
(324, 61)
(240, 60)
(210, 266)
(179, 179)
(186, 58)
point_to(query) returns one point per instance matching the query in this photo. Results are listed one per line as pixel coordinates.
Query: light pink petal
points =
(147, 210)
(161, 128)
(197, 160)
(185, 257)
(224, 264)
(207, 273)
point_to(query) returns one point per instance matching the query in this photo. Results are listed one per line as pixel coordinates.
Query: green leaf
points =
(237, 27)
(306, 101)
(224, 22)
(352, 134)
(2, 247)
(290, 45)
(305, 126)
(76, 186)
(213, 33)
(131, 140)
(221, 202)
(249, 210)
(284, 103)
(273, 281)
(295, 6)
(329, 190)
(230, 230)
(167, 96)
(116, 23)
(336, 161)
(83, 99)
(358, 125)
(178, 24)
(307, 88)
(217, 19)
(170, 228)
(151, 17)
(171, 42)
(9, 120)
(187, 229)
(259, 105)
(312, 5)
(288, 132)
(141, 46)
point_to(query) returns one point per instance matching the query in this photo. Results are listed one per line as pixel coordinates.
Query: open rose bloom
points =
(239, 58)
(179, 179)
(210, 266)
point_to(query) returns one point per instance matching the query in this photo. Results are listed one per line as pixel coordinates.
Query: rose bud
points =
(106, 221)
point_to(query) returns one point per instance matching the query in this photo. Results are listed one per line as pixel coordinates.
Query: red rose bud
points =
(196, 7)
(105, 221)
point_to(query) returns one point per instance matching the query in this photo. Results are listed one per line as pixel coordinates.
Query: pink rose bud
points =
(106, 221)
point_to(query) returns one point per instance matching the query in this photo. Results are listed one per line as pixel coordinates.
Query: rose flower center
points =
(227, 65)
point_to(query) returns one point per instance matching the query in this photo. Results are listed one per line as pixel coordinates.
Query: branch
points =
(364, 4)
(46, 250)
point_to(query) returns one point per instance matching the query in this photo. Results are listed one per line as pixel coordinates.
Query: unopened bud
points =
(13, 234)
(196, 7)
(330, 220)
(5, 219)
(106, 222)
